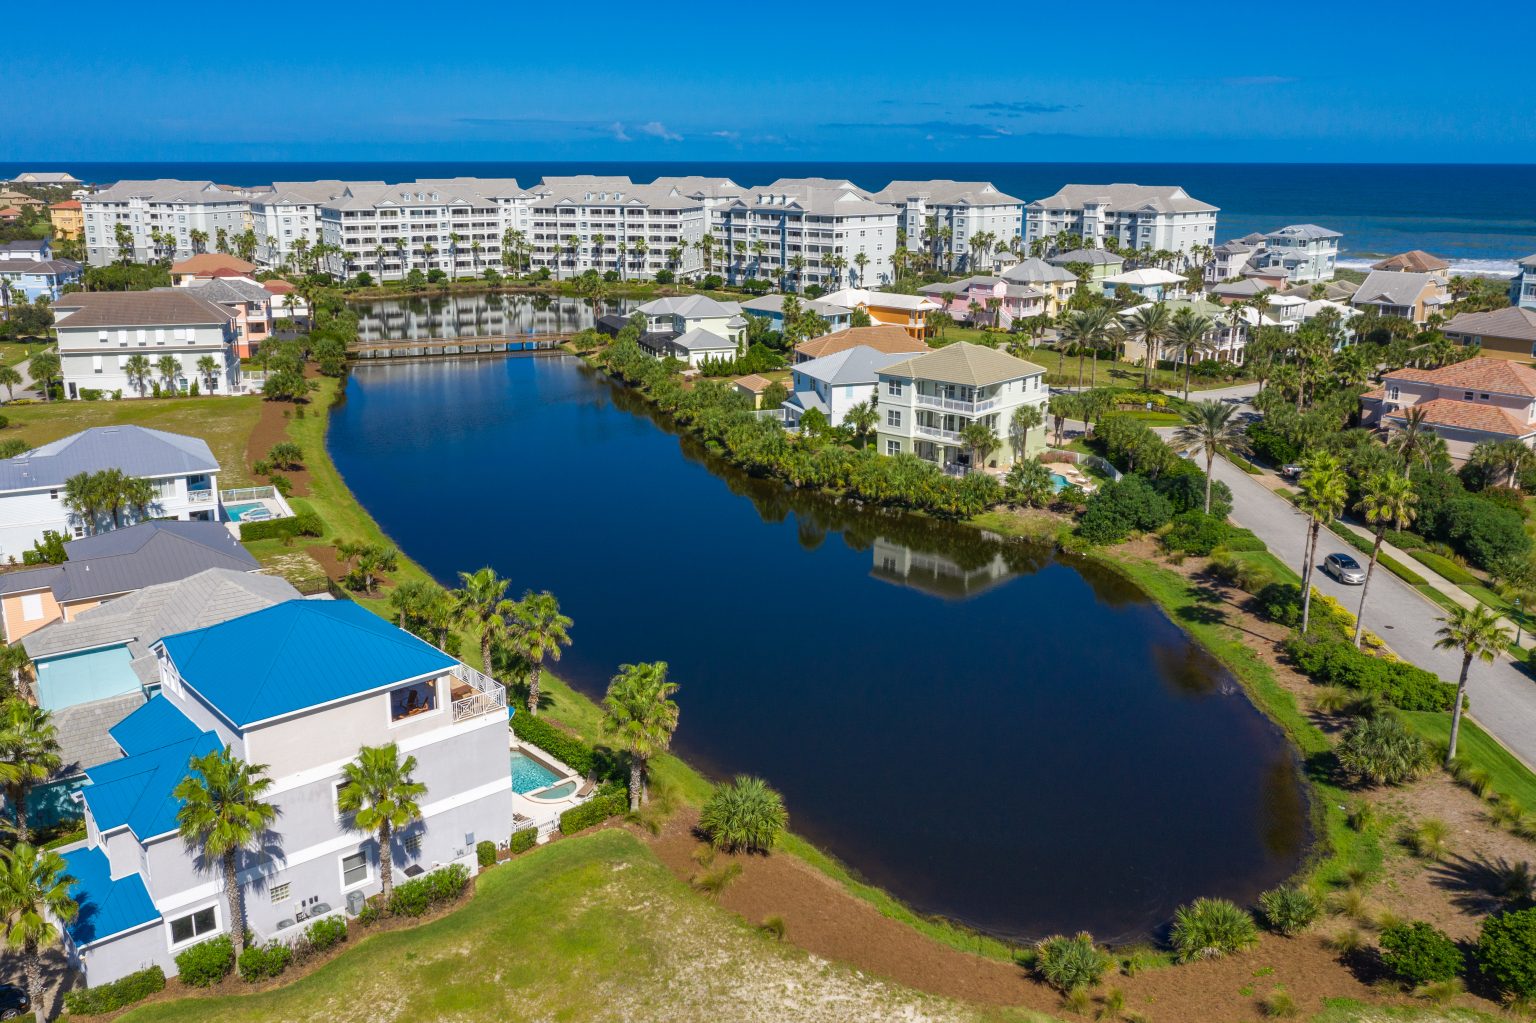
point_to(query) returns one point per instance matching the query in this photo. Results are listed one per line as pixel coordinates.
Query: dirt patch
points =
(328, 559)
(271, 429)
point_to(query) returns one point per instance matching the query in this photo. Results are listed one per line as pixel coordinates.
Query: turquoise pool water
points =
(528, 774)
(237, 512)
(559, 791)
(1059, 481)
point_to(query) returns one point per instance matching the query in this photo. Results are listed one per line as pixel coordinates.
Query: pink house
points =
(1477, 400)
(1013, 301)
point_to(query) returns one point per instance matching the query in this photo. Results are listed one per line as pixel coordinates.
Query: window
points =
(893, 417)
(1393, 392)
(31, 607)
(893, 388)
(194, 925)
(1466, 395)
(893, 447)
(354, 869)
(1484, 397)
(280, 892)
(413, 846)
(409, 701)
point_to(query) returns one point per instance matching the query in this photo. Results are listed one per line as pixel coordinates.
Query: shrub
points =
(485, 853)
(413, 897)
(1404, 540)
(1486, 532)
(1210, 928)
(592, 812)
(1197, 533)
(1382, 751)
(206, 963)
(446, 883)
(1336, 662)
(1071, 964)
(744, 815)
(263, 962)
(409, 898)
(1446, 568)
(124, 991)
(1243, 541)
(327, 932)
(1280, 602)
(574, 753)
(1420, 954)
(1116, 510)
(369, 914)
(1506, 952)
(303, 524)
(1289, 910)
(523, 840)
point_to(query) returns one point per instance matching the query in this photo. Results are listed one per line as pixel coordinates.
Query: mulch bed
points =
(271, 429)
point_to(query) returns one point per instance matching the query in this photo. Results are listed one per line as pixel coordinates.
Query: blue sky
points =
(1357, 82)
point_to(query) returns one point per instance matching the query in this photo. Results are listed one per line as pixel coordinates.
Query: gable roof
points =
(160, 308)
(1512, 322)
(690, 307)
(1393, 287)
(857, 365)
(107, 907)
(1413, 261)
(882, 337)
(134, 557)
(136, 791)
(297, 655)
(964, 363)
(1484, 373)
(136, 450)
(1037, 271)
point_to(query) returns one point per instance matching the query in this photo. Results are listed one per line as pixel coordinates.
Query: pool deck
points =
(544, 814)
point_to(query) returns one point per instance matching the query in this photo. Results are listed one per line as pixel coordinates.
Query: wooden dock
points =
(430, 347)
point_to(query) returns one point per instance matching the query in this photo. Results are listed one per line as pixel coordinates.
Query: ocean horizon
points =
(1479, 217)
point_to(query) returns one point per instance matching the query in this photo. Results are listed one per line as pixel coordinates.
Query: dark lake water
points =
(477, 315)
(991, 733)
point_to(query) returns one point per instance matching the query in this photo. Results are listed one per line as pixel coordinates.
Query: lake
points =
(992, 732)
(480, 314)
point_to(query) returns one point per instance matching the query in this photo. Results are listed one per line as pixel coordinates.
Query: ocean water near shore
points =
(1481, 218)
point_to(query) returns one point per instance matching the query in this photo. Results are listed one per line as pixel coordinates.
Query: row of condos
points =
(824, 231)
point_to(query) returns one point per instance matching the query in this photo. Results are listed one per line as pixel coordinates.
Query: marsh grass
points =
(714, 882)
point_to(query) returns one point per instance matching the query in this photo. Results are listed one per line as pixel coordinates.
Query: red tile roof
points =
(207, 262)
(1414, 260)
(882, 337)
(1469, 415)
(67, 204)
(1481, 374)
(279, 287)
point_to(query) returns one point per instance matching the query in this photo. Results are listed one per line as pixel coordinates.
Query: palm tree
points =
(640, 714)
(860, 260)
(138, 494)
(482, 606)
(1476, 632)
(1208, 425)
(34, 892)
(222, 815)
(1025, 418)
(1188, 331)
(1324, 492)
(981, 439)
(29, 755)
(169, 367)
(539, 630)
(138, 369)
(83, 497)
(1087, 329)
(1150, 325)
(208, 366)
(44, 367)
(9, 378)
(1387, 499)
(863, 418)
(1061, 407)
(382, 797)
(1414, 443)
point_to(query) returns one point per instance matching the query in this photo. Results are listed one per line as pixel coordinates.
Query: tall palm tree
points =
(169, 367)
(1476, 632)
(863, 418)
(83, 497)
(34, 892)
(981, 439)
(139, 370)
(208, 368)
(539, 630)
(640, 714)
(1208, 425)
(44, 367)
(1150, 325)
(482, 605)
(1087, 329)
(861, 261)
(1324, 492)
(29, 755)
(382, 797)
(9, 378)
(1188, 331)
(1025, 418)
(1387, 499)
(1414, 443)
(222, 815)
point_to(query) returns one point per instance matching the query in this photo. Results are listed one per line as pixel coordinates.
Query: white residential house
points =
(32, 500)
(1308, 253)
(100, 331)
(835, 383)
(1156, 217)
(1149, 282)
(299, 687)
(927, 400)
(959, 210)
(809, 220)
(165, 206)
(683, 313)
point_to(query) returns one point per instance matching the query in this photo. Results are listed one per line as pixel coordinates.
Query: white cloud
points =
(616, 129)
(659, 130)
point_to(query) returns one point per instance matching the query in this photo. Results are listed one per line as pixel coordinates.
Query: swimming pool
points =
(253, 512)
(1059, 481)
(558, 792)
(528, 774)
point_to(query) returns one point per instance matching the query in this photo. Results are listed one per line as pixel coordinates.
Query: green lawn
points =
(13, 353)
(593, 928)
(1510, 777)
(225, 423)
(1345, 1010)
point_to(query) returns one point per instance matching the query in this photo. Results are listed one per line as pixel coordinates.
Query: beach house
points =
(835, 383)
(1485, 398)
(1408, 294)
(101, 331)
(909, 312)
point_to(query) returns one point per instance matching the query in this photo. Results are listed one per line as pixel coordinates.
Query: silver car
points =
(1345, 569)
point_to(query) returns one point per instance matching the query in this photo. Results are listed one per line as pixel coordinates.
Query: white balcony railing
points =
(969, 408)
(488, 696)
(934, 431)
(199, 497)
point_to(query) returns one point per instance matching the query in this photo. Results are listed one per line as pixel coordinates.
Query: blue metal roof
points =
(156, 724)
(107, 907)
(137, 790)
(297, 655)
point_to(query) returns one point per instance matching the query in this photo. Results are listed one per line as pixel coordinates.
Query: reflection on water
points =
(478, 315)
(1014, 739)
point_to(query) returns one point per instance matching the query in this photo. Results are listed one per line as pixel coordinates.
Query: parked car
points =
(13, 1002)
(1345, 569)
(1291, 472)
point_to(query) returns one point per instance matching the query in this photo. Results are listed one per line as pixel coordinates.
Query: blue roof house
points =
(298, 686)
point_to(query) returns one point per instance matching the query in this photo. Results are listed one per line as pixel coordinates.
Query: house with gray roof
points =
(108, 565)
(1413, 296)
(1508, 333)
(181, 469)
(101, 331)
(1155, 217)
(835, 383)
(682, 315)
(1101, 263)
(771, 307)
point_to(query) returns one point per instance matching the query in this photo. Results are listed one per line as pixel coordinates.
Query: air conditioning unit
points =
(354, 903)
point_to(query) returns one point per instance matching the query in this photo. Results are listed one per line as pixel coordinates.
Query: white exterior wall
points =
(144, 214)
(1174, 232)
(930, 431)
(26, 514)
(97, 357)
(839, 398)
(361, 232)
(621, 221)
(278, 225)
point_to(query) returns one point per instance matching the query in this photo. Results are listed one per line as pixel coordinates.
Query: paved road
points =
(1503, 696)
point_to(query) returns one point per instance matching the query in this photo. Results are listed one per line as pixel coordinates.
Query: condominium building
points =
(291, 213)
(925, 403)
(808, 231)
(160, 217)
(948, 216)
(612, 224)
(100, 332)
(1155, 217)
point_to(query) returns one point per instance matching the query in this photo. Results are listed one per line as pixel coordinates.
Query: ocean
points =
(1482, 218)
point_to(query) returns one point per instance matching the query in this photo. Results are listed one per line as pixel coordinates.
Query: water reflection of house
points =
(935, 573)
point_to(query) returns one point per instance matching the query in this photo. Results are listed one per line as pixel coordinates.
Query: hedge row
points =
(93, 1001)
(303, 524)
(1445, 568)
(1337, 662)
(574, 753)
(413, 897)
(523, 840)
(593, 812)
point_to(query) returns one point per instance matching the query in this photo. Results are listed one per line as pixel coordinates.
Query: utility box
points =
(354, 903)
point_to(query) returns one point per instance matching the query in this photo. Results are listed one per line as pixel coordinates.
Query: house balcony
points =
(940, 433)
(200, 497)
(965, 408)
(475, 694)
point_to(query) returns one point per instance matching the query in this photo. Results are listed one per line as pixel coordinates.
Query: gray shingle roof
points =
(136, 450)
(82, 730)
(964, 363)
(1037, 271)
(161, 308)
(1095, 257)
(689, 307)
(1510, 322)
(857, 365)
(1393, 287)
(700, 340)
(944, 192)
(229, 289)
(775, 304)
(134, 557)
(1306, 232)
(1126, 198)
